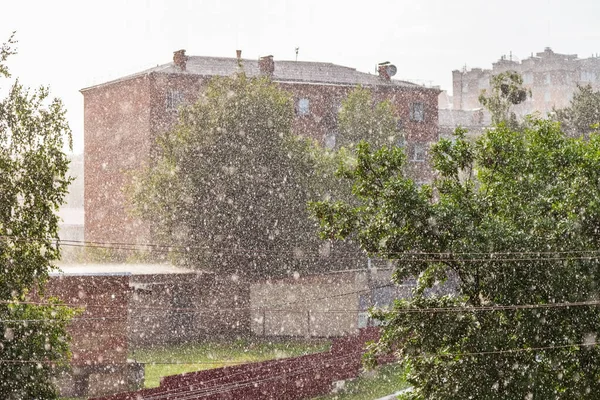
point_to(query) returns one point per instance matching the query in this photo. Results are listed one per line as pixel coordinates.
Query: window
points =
(399, 125)
(337, 106)
(547, 96)
(173, 99)
(568, 79)
(303, 107)
(401, 142)
(548, 79)
(417, 112)
(528, 78)
(419, 152)
(330, 140)
(588, 76)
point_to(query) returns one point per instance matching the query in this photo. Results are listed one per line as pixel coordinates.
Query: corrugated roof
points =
(285, 71)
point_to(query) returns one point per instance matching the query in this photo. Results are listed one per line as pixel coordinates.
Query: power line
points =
(204, 392)
(516, 350)
(243, 371)
(424, 310)
(412, 255)
(491, 352)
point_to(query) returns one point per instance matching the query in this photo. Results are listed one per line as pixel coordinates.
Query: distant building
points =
(552, 78)
(71, 214)
(123, 117)
(474, 121)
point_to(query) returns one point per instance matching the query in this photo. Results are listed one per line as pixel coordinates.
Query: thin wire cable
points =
(513, 350)
(275, 308)
(258, 366)
(516, 350)
(204, 392)
(192, 309)
(414, 257)
(445, 256)
(197, 394)
(244, 370)
(235, 386)
(291, 251)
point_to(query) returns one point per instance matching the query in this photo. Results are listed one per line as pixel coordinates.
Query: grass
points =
(384, 381)
(196, 357)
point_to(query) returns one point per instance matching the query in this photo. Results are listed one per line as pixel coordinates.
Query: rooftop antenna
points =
(297, 48)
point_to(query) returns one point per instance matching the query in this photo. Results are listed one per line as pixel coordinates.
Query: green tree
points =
(231, 183)
(363, 118)
(582, 116)
(506, 91)
(513, 220)
(33, 184)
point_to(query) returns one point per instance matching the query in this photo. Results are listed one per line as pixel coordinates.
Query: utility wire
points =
(424, 310)
(412, 255)
(204, 392)
(187, 394)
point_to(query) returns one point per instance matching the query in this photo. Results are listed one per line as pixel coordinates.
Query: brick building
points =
(552, 78)
(123, 117)
(128, 306)
(99, 342)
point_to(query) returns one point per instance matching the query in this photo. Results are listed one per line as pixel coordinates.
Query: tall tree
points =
(506, 91)
(361, 117)
(231, 183)
(513, 225)
(33, 184)
(582, 116)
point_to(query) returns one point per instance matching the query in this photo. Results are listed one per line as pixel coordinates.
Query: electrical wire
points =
(275, 308)
(187, 394)
(204, 392)
(412, 255)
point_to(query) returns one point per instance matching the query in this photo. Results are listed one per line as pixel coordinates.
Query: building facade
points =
(123, 117)
(551, 77)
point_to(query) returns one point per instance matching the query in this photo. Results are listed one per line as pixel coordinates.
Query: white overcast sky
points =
(73, 44)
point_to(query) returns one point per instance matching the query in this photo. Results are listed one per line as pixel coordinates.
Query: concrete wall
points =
(176, 308)
(324, 305)
(298, 309)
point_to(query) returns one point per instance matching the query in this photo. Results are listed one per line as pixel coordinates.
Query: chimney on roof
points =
(238, 54)
(180, 59)
(383, 74)
(266, 65)
(385, 70)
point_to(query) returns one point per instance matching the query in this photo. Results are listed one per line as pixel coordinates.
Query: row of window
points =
(417, 110)
(546, 79)
(174, 98)
(418, 154)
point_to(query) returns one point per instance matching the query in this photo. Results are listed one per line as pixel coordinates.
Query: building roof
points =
(285, 71)
(119, 269)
